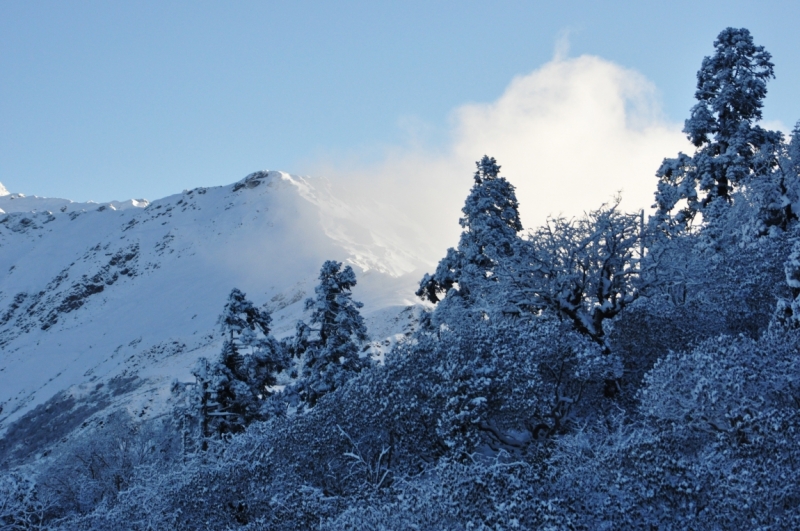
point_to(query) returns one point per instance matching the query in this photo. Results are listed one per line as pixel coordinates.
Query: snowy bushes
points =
(23, 505)
(478, 494)
(714, 446)
(87, 472)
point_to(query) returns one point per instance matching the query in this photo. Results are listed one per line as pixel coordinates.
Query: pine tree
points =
(232, 390)
(491, 223)
(789, 180)
(329, 343)
(731, 86)
(239, 315)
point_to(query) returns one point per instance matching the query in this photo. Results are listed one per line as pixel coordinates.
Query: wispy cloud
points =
(562, 45)
(568, 135)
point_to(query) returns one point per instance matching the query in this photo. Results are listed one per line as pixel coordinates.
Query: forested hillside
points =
(612, 371)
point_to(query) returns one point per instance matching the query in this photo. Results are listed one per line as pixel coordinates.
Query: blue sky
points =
(113, 100)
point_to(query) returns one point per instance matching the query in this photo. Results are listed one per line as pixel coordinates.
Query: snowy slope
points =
(92, 294)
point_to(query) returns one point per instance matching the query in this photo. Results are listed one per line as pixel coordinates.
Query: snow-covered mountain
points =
(94, 296)
(21, 203)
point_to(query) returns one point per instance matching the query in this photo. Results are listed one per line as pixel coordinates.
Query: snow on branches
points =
(731, 148)
(329, 344)
(231, 391)
(491, 223)
(586, 270)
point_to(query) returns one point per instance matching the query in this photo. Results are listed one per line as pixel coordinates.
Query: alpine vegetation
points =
(328, 347)
(609, 371)
(232, 392)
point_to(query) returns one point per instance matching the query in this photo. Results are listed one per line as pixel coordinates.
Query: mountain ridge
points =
(89, 296)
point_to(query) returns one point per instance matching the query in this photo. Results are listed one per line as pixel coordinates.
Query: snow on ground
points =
(134, 289)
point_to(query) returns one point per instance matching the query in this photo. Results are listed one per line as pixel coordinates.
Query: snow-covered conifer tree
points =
(731, 86)
(491, 223)
(231, 390)
(329, 343)
(785, 189)
(240, 315)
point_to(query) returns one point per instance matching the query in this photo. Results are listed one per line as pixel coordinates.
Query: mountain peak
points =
(89, 291)
(3, 190)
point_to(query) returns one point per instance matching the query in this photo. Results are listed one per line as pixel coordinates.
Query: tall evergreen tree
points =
(731, 86)
(491, 223)
(232, 390)
(329, 343)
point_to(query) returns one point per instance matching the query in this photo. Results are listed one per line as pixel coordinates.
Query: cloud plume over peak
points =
(569, 136)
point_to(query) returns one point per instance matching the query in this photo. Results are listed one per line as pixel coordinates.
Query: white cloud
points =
(776, 125)
(568, 136)
(571, 134)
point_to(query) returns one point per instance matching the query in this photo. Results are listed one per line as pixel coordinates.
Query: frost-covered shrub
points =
(230, 485)
(487, 387)
(593, 474)
(713, 445)
(694, 293)
(87, 471)
(460, 396)
(726, 412)
(504, 385)
(23, 504)
(479, 494)
(439, 394)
